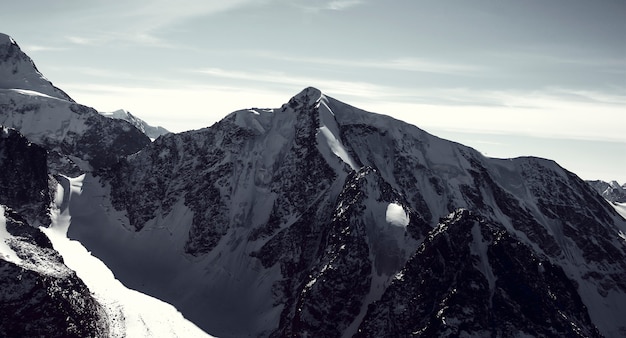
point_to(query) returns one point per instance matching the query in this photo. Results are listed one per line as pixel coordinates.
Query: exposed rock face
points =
(472, 278)
(24, 182)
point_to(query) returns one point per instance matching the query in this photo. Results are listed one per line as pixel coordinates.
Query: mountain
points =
(20, 73)
(612, 191)
(91, 140)
(301, 219)
(49, 117)
(150, 131)
(321, 219)
(51, 286)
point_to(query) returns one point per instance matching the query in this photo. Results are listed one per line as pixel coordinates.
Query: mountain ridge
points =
(248, 225)
(19, 71)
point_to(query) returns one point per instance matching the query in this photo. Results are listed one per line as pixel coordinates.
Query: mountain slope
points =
(49, 117)
(19, 72)
(256, 201)
(493, 285)
(69, 128)
(40, 295)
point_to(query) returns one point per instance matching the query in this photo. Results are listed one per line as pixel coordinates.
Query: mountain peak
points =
(18, 71)
(308, 97)
(6, 39)
(151, 131)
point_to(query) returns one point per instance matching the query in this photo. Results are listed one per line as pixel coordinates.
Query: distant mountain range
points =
(315, 218)
(150, 131)
(612, 191)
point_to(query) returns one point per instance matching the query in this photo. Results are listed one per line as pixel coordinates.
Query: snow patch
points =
(396, 215)
(329, 132)
(619, 207)
(6, 252)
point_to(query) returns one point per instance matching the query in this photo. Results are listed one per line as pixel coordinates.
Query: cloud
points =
(408, 64)
(81, 40)
(41, 48)
(339, 5)
(134, 21)
(333, 5)
(298, 82)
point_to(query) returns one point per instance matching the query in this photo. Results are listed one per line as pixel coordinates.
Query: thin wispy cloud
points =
(325, 5)
(81, 40)
(41, 48)
(136, 22)
(340, 5)
(408, 64)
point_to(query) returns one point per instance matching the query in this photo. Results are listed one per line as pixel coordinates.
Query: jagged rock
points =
(39, 295)
(24, 181)
(471, 278)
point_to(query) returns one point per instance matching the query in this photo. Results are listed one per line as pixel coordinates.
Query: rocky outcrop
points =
(39, 295)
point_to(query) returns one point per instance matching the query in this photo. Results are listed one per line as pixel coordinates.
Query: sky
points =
(508, 78)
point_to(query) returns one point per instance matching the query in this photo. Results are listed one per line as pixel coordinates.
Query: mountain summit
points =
(320, 219)
(18, 71)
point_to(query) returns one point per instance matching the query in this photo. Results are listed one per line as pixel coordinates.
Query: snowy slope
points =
(17, 71)
(69, 128)
(150, 131)
(130, 313)
(49, 117)
(39, 294)
(620, 208)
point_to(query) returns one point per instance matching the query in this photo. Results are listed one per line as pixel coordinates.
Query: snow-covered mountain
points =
(302, 218)
(150, 131)
(318, 218)
(51, 286)
(19, 72)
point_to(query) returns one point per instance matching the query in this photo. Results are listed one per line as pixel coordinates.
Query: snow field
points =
(130, 313)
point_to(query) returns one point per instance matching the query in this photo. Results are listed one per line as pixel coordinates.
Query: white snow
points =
(20, 73)
(619, 207)
(396, 215)
(130, 313)
(44, 119)
(329, 132)
(6, 252)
